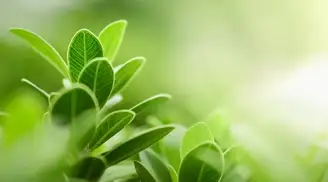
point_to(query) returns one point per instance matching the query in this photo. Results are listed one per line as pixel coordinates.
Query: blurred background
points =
(265, 63)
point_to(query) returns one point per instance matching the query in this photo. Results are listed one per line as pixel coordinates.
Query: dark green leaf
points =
(203, 164)
(126, 72)
(83, 47)
(156, 166)
(44, 48)
(110, 125)
(196, 135)
(143, 173)
(111, 38)
(98, 75)
(89, 168)
(71, 103)
(137, 144)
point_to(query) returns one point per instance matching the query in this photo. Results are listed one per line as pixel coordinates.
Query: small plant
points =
(93, 85)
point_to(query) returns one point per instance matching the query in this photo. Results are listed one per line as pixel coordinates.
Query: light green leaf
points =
(117, 172)
(170, 146)
(203, 163)
(137, 144)
(83, 48)
(126, 72)
(98, 75)
(43, 48)
(89, 168)
(173, 174)
(156, 166)
(196, 135)
(149, 105)
(41, 91)
(111, 125)
(111, 38)
(71, 103)
(143, 173)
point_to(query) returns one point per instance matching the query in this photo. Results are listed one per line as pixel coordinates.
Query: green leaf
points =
(71, 103)
(143, 173)
(196, 135)
(117, 172)
(155, 165)
(111, 38)
(43, 48)
(173, 174)
(98, 75)
(41, 91)
(126, 72)
(137, 144)
(204, 163)
(111, 125)
(170, 146)
(89, 168)
(83, 48)
(149, 105)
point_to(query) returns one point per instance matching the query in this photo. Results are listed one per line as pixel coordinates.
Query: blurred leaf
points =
(71, 103)
(126, 72)
(173, 174)
(156, 166)
(41, 91)
(149, 105)
(111, 38)
(25, 113)
(111, 125)
(98, 75)
(136, 144)
(203, 163)
(83, 47)
(143, 173)
(220, 128)
(44, 48)
(196, 135)
(109, 104)
(89, 168)
(120, 171)
(170, 146)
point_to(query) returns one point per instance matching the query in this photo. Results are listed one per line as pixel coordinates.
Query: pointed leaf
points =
(170, 146)
(126, 72)
(44, 48)
(137, 144)
(174, 174)
(41, 91)
(111, 125)
(111, 38)
(71, 103)
(149, 105)
(98, 75)
(89, 168)
(83, 47)
(196, 135)
(156, 166)
(204, 163)
(143, 173)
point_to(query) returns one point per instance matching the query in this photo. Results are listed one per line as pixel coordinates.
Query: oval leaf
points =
(126, 72)
(118, 172)
(149, 105)
(98, 75)
(43, 48)
(143, 173)
(89, 168)
(137, 144)
(111, 38)
(83, 47)
(71, 103)
(204, 163)
(110, 125)
(196, 135)
(155, 165)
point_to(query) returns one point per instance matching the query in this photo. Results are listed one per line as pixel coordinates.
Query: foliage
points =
(82, 111)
